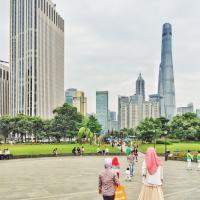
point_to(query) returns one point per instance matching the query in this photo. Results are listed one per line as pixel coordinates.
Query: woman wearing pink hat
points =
(152, 173)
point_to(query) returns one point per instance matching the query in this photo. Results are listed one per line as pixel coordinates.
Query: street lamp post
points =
(121, 134)
(166, 146)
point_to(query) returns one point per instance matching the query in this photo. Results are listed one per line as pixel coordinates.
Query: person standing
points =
(198, 160)
(108, 181)
(131, 163)
(128, 151)
(189, 160)
(152, 173)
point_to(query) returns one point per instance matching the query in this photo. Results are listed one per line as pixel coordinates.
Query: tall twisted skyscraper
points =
(166, 88)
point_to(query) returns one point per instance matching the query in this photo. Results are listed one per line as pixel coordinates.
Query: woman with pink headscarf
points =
(152, 173)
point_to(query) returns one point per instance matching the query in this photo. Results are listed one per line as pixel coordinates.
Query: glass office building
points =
(102, 109)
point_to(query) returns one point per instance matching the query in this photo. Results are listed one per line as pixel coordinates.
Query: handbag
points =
(120, 193)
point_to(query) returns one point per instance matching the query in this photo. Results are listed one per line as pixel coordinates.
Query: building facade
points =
(198, 113)
(36, 58)
(123, 103)
(140, 86)
(102, 109)
(4, 90)
(77, 99)
(183, 110)
(166, 86)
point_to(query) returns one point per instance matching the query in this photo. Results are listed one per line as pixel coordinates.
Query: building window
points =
(0, 73)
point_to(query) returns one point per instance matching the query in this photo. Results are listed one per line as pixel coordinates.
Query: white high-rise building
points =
(36, 58)
(134, 115)
(4, 90)
(187, 109)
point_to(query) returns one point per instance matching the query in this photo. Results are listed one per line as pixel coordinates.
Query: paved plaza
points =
(75, 178)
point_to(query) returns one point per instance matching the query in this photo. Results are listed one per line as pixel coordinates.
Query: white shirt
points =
(154, 179)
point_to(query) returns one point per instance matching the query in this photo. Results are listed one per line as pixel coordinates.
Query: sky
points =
(109, 42)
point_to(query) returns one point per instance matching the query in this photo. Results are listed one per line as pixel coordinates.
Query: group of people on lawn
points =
(5, 154)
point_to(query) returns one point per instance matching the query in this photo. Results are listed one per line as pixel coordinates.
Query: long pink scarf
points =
(152, 161)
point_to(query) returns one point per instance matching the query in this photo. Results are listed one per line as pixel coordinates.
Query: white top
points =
(155, 179)
(128, 173)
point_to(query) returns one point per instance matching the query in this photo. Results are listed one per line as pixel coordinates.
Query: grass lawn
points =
(181, 147)
(36, 149)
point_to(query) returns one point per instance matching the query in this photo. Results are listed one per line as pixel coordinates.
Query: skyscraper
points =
(77, 99)
(36, 58)
(123, 105)
(140, 86)
(102, 109)
(166, 88)
(4, 89)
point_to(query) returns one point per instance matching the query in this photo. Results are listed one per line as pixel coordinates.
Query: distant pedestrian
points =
(198, 160)
(116, 166)
(108, 181)
(131, 163)
(128, 151)
(135, 152)
(189, 160)
(152, 173)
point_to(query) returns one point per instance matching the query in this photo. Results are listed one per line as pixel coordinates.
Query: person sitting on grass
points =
(79, 151)
(82, 150)
(1, 154)
(7, 153)
(74, 151)
(55, 152)
(99, 151)
(106, 151)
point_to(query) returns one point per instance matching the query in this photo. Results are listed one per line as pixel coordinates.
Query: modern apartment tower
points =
(102, 109)
(36, 58)
(4, 89)
(166, 88)
(140, 86)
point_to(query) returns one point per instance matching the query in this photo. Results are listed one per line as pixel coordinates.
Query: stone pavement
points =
(75, 178)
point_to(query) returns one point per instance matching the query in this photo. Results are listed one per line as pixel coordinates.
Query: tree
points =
(93, 125)
(149, 130)
(85, 133)
(5, 126)
(186, 126)
(66, 119)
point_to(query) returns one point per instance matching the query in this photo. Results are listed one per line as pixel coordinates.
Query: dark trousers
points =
(108, 197)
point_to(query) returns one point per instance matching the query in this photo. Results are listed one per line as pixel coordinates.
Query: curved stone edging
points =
(62, 155)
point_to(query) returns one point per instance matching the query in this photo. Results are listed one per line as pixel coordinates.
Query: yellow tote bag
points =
(120, 193)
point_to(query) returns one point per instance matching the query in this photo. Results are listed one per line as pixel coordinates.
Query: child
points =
(115, 165)
(189, 160)
(198, 160)
(128, 175)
